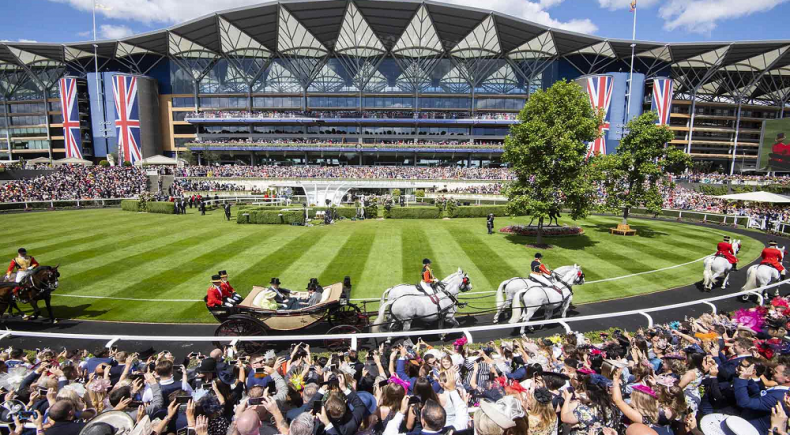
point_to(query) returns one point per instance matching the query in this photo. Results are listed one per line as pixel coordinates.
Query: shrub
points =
(707, 189)
(477, 211)
(415, 213)
(162, 207)
(267, 217)
(395, 192)
(130, 205)
(243, 217)
(420, 193)
(372, 211)
(104, 163)
(127, 163)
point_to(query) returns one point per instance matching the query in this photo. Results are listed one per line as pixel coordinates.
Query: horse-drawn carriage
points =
(248, 319)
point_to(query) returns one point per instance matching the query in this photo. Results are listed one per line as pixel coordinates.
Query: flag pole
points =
(631, 75)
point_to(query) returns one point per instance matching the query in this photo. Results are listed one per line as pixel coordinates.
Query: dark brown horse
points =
(38, 286)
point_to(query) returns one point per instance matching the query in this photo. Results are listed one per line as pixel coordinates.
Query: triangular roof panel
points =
(387, 19)
(202, 31)
(323, 19)
(157, 42)
(294, 39)
(260, 23)
(453, 23)
(600, 49)
(356, 38)
(123, 50)
(705, 59)
(420, 38)
(513, 33)
(27, 57)
(233, 40)
(539, 47)
(759, 62)
(180, 46)
(71, 54)
(482, 41)
(661, 53)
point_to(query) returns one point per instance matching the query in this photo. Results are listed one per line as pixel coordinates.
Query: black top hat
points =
(538, 255)
(426, 261)
(215, 278)
(275, 281)
(208, 365)
(223, 273)
(772, 243)
(22, 251)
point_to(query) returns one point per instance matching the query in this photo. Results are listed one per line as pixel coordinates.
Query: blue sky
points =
(659, 20)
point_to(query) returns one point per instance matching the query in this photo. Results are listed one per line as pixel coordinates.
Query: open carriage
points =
(248, 319)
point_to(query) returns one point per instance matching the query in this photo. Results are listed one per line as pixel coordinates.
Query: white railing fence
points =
(468, 332)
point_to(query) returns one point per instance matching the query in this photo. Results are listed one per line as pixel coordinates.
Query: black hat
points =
(780, 136)
(538, 255)
(22, 251)
(772, 243)
(426, 261)
(215, 278)
(223, 273)
(148, 353)
(275, 281)
(208, 365)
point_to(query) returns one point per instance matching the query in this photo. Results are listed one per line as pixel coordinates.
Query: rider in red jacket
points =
(773, 257)
(214, 295)
(228, 292)
(726, 250)
(23, 264)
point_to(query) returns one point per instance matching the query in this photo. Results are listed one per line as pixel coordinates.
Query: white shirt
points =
(460, 420)
(148, 396)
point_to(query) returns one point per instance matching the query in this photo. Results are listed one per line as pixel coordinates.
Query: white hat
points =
(504, 411)
(722, 424)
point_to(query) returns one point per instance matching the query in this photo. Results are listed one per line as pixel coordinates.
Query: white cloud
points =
(178, 11)
(27, 40)
(702, 16)
(109, 31)
(84, 34)
(626, 4)
(535, 11)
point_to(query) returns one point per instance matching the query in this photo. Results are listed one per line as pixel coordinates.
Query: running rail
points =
(112, 339)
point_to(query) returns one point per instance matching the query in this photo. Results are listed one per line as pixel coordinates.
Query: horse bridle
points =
(579, 278)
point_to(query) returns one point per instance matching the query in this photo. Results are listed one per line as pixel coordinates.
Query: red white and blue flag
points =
(127, 117)
(71, 117)
(599, 90)
(662, 99)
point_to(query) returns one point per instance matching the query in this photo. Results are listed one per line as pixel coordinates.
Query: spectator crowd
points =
(328, 143)
(351, 172)
(348, 114)
(69, 182)
(716, 374)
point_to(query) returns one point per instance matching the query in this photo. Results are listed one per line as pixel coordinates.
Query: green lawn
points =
(117, 254)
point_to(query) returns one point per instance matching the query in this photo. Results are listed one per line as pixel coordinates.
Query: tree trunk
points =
(626, 210)
(539, 238)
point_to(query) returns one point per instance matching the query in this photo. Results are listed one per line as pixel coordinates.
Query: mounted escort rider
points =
(428, 282)
(725, 249)
(228, 292)
(24, 265)
(770, 256)
(540, 273)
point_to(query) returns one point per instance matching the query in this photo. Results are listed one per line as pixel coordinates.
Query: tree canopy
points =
(548, 153)
(633, 177)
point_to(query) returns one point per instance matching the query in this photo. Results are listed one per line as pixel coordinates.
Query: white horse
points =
(404, 303)
(761, 275)
(531, 299)
(717, 267)
(509, 288)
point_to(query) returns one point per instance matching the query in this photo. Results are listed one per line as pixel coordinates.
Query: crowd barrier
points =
(64, 203)
(468, 332)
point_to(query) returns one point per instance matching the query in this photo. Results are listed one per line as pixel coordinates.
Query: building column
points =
(415, 160)
(46, 118)
(6, 108)
(469, 160)
(737, 130)
(691, 122)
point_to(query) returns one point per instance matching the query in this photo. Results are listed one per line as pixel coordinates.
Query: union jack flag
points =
(599, 90)
(127, 117)
(71, 117)
(662, 99)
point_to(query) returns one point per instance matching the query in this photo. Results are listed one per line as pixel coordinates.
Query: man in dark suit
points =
(62, 413)
(202, 208)
(281, 294)
(757, 409)
(227, 210)
(490, 223)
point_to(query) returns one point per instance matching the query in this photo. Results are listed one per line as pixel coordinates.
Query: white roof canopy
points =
(760, 196)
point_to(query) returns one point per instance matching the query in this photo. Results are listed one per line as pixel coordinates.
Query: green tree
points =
(633, 176)
(548, 151)
(211, 157)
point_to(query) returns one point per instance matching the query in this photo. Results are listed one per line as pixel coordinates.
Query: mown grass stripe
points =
(203, 265)
(416, 247)
(380, 269)
(493, 267)
(52, 230)
(129, 264)
(351, 258)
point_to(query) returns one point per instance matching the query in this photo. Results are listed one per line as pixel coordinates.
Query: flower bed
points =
(524, 230)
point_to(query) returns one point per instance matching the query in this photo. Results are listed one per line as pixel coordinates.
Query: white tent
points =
(761, 196)
(156, 160)
(39, 160)
(72, 161)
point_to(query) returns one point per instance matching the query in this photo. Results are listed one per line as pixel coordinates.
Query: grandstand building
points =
(369, 82)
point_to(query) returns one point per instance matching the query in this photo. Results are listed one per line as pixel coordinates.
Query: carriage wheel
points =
(243, 327)
(346, 315)
(337, 344)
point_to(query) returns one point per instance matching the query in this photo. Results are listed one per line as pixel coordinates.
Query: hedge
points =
(372, 211)
(415, 213)
(478, 211)
(269, 217)
(162, 207)
(130, 205)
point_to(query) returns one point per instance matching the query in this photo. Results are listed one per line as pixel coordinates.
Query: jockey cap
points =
(538, 255)
(426, 261)
(22, 251)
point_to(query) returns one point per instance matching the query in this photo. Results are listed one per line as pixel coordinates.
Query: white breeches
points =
(22, 274)
(427, 288)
